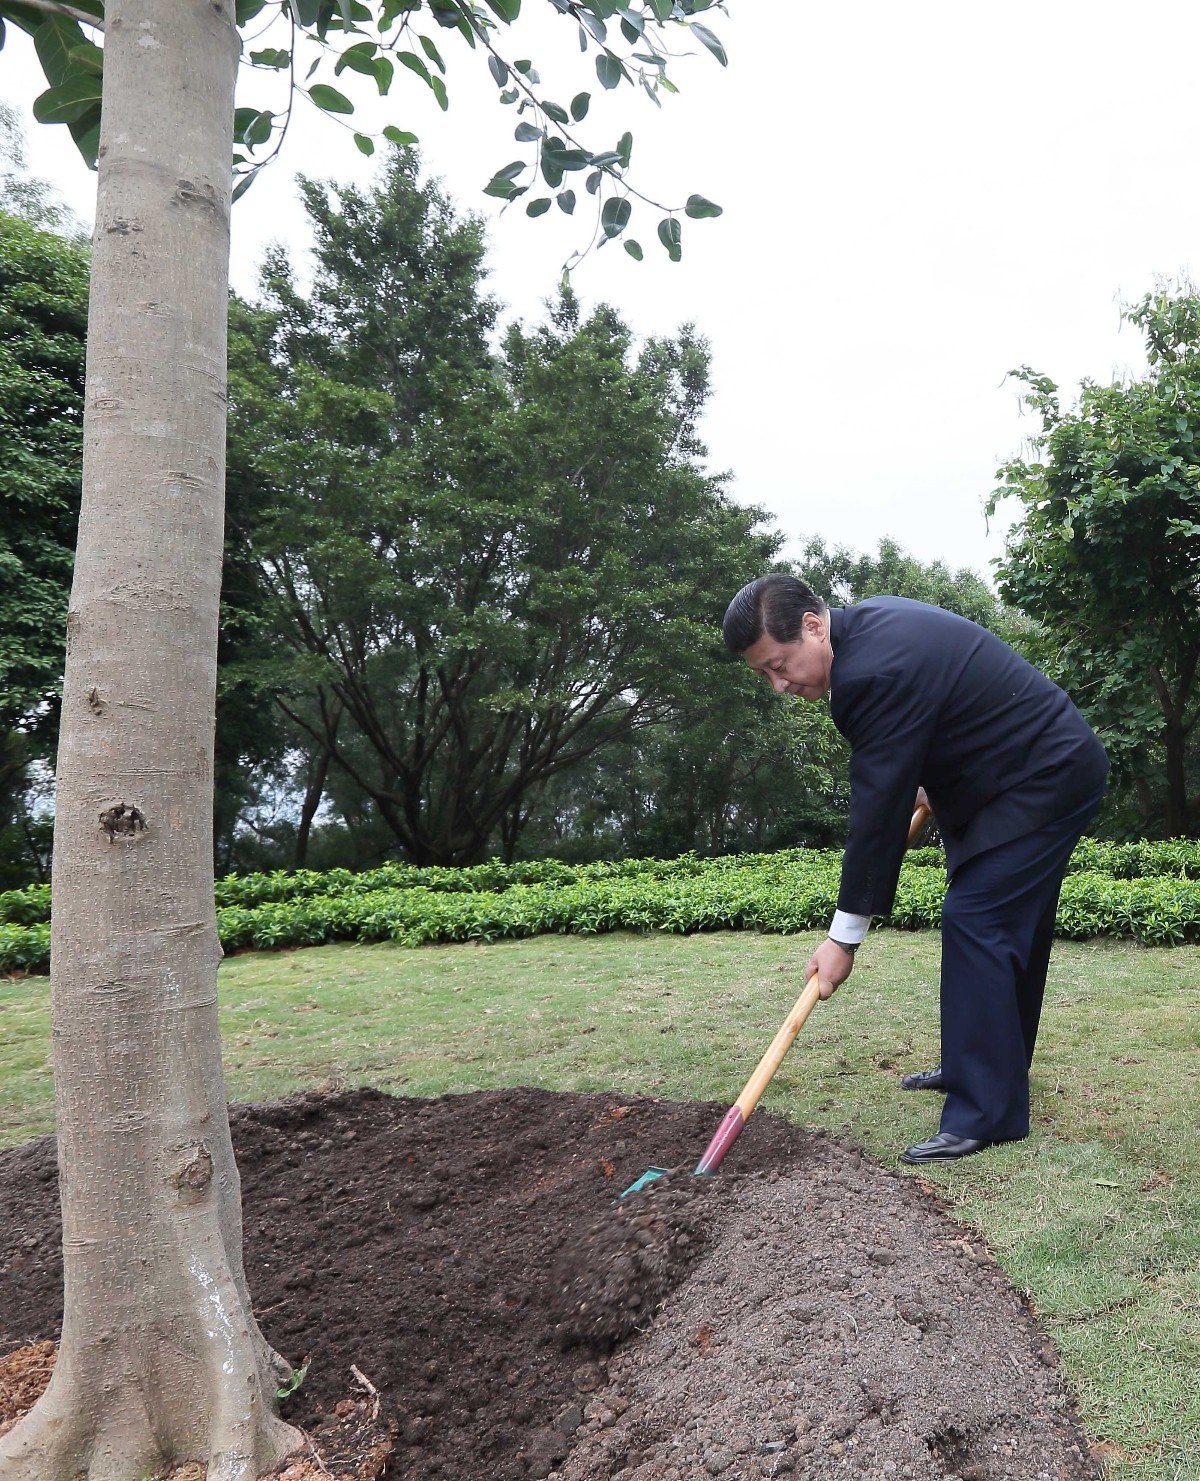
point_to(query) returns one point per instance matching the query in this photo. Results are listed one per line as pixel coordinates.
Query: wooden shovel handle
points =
(920, 817)
(779, 1046)
(739, 1113)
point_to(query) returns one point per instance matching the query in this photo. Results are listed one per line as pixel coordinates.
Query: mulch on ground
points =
(474, 1303)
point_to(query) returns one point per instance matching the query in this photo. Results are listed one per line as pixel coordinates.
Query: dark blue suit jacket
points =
(927, 698)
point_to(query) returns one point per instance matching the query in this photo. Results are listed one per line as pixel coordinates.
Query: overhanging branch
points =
(51, 7)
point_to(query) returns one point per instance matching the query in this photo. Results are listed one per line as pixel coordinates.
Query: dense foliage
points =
(43, 317)
(1106, 556)
(469, 571)
(1147, 891)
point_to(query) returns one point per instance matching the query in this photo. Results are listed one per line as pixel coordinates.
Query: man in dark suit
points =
(1014, 775)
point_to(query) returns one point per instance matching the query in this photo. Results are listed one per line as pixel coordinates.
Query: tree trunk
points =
(161, 1360)
(318, 775)
(1175, 744)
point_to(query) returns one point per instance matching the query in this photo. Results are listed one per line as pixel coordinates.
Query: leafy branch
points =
(378, 38)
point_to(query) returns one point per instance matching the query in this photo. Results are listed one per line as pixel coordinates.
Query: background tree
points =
(743, 768)
(161, 1359)
(1106, 556)
(43, 313)
(487, 568)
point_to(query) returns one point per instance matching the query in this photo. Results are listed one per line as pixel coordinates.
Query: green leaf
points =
(662, 9)
(510, 172)
(609, 70)
(366, 145)
(88, 57)
(670, 234)
(510, 96)
(85, 130)
(498, 69)
(54, 40)
(507, 10)
(259, 130)
(566, 201)
(554, 111)
(593, 181)
(414, 63)
(625, 149)
(538, 207)
(273, 57)
(293, 1381)
(246, 10)
(614, 217)
(634, 249)
(440, 93)
(329, 100)
(593, 25)
(432, 53)
(698, 208)
(400, 137)
(565, 158)
(702, 33)
(68, 102)
(359, 58)
(526, 133)
(580, 104)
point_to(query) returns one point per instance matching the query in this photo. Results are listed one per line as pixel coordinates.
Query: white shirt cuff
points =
(849, 928)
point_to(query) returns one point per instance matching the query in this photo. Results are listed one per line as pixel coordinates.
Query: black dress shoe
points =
(945, 1147)
(924, 1080)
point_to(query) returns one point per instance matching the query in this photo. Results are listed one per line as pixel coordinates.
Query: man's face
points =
(800, 667)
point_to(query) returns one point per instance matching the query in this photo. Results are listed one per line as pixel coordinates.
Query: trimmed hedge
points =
(1177, 857)
(795, 890)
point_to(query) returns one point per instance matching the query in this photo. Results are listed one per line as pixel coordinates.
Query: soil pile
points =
(820, 1316)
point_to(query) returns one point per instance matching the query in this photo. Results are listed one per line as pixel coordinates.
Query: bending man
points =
(1014, 775)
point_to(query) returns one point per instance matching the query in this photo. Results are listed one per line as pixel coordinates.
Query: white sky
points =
(918, 197)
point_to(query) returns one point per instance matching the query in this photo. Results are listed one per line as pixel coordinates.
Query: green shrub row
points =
(1179, 858)
(25, 907)
(793, 895)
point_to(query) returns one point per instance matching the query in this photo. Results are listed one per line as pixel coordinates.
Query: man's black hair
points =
(774, 605)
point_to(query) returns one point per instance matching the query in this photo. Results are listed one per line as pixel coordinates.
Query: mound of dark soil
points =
(817, 1314)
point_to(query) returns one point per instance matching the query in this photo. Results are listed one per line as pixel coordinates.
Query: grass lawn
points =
(1097, 1215)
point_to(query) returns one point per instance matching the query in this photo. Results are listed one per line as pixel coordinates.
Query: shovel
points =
(739, 1113)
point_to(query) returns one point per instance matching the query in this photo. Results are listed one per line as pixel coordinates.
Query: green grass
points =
(1096, 1216)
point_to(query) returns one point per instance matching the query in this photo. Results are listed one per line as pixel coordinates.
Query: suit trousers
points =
(997, 929)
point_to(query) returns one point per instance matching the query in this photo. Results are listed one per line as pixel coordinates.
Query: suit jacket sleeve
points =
(889, 728)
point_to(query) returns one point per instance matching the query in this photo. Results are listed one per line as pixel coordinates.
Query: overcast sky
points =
(918, 198)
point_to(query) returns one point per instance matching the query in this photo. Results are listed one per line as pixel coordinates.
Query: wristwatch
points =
(849, 946)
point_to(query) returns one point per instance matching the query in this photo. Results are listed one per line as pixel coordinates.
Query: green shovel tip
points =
(649, 1176)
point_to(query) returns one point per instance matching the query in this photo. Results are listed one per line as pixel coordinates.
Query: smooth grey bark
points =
(160, 1360)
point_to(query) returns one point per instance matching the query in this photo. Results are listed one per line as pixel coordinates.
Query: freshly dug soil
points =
(462, 1265)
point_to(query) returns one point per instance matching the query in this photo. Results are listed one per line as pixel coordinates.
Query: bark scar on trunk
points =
(187, 192)
(195, 1170)
(124, 819)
